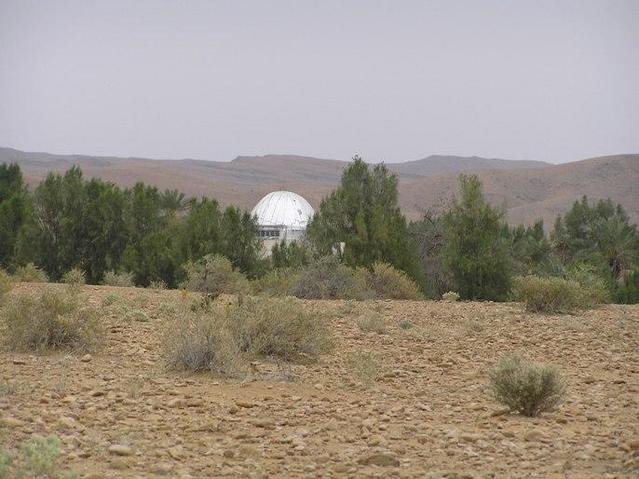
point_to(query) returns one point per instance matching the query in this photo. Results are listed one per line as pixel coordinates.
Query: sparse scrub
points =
(450, 297)
(158, 284)
(389, 283)
(137, 315)
(30, 273)
(277, 282)
(5, 462)
(365, 366)
(372, 321)
(279, 327)
(111, 299)
(41, 455)
(328, 278)
(222, 338)
(6, 284)
(405, 324)
(122, 279)
(51, 319)
(215, 275)
(554, 295)
(526, 387)
(74, 277)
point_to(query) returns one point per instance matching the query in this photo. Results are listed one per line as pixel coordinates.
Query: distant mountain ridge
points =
(527, 189)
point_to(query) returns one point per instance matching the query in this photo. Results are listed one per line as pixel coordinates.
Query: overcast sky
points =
(394, 81)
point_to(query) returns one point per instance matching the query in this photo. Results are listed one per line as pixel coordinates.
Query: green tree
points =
(363, 215)
(240, 241)
(475, 252)
(290, 255)
(14, 210)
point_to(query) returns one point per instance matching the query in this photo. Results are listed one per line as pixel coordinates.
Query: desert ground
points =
(121, 413)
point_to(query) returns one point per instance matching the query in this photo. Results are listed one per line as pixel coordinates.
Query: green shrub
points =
(137, 315)
(405, 324)
(41, 455)
(51, 319)
(526, 387)
(450, 297)
(74, 277)
(372, 321)
(389, 283)
(30, 273)
(277, 282)
(627, 291)
(215, 275)
(222, 338)
(328, 278)
(595, 288)
(5, 462)
(554, 295)
(123, 279)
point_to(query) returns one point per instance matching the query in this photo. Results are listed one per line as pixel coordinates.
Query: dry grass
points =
(555, 295)
(372, 321)
(215, 275)
(30, 273)
(51, 319)
(122, 279)
(386, 282)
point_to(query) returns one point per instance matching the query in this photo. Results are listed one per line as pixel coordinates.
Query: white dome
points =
(284, 209)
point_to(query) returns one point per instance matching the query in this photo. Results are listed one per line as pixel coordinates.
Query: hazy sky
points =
(394, 81)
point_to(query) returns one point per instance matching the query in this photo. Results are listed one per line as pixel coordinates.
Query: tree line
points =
(468, 247)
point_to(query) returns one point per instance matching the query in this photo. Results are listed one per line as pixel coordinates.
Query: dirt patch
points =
(120, 413)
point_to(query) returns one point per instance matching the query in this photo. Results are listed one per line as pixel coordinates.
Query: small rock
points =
(245, 404)
(120, 450)
(19, 361)
(86, 358)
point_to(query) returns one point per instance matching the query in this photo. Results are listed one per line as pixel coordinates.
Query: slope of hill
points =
(527, 189)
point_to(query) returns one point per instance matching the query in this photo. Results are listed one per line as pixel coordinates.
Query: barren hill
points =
(528, 189)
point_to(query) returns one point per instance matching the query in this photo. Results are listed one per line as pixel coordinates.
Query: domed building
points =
(282, 215)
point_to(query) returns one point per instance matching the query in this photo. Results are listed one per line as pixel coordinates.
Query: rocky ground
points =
(121, 413)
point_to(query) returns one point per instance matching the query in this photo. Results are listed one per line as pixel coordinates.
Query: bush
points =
(52, 319)
(277, 282)
(282, 328)
(328, 278)
(74, 277)
(554, 295)
(200, 340)
(123, 279)
(6, 283)
(137, 315)
(221, 338)
(30, 273)
(41, 455)
(389, 283)
(158, 284)
(215, 275)
(365, 366)
(595, 288)
(627, 292)
(526, 387)
(372, 321)
(450, 297)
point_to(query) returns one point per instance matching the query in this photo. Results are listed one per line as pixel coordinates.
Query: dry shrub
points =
(450, 297)
(386, 282)
(372, 321)
(214, 274)
(280, 328)
(30, 273)
(74, 277)
(200, 340)
(526, 387)
(6, 284)
(277, 282)
(555, 295)
(52, 319)
(158, 284)
(366, 366)
(223, 337)
(123, 279)
(328, 278)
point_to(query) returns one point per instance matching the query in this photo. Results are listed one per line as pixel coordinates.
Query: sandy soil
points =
(120, 413)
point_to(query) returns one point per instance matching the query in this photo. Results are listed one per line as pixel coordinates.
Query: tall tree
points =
(475, 251)
(14, 209)
(363, 215)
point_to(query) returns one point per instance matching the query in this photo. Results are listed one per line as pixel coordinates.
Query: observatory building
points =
(282, 215)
